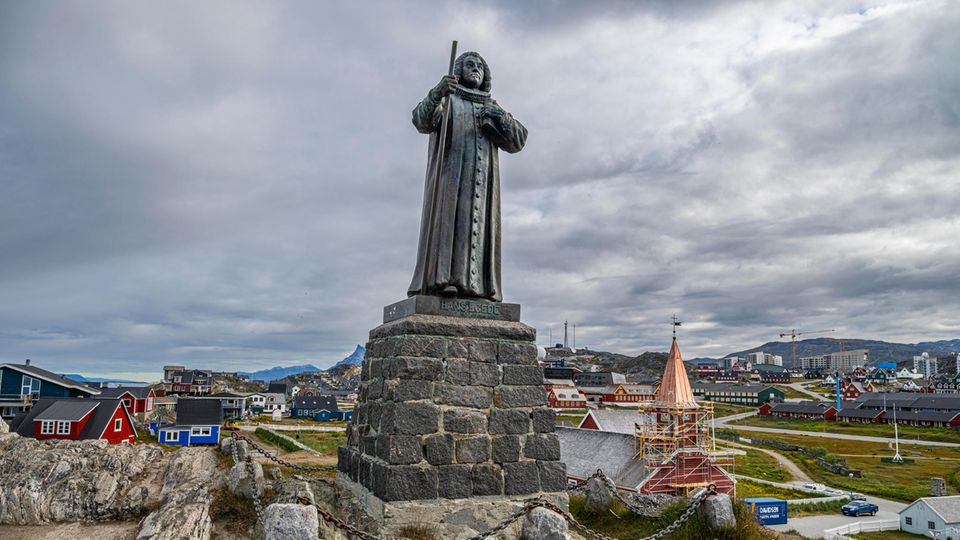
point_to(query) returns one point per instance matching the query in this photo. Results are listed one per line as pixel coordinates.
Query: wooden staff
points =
(442, 142)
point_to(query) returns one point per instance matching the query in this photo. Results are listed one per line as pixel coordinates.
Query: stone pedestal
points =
(451, 407)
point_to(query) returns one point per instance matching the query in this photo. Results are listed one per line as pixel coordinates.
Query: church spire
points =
(675, 385)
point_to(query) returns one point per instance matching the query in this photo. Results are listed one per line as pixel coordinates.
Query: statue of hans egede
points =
(459, 250)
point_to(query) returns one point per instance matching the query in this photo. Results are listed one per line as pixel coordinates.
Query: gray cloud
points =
(238, 186)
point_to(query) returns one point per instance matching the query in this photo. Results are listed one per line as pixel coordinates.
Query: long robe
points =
(460, 225)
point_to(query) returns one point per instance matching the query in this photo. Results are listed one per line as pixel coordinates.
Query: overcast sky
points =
(238, 185)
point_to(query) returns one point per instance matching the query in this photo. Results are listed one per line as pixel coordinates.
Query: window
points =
(29, 386)
(63, 428)
(200, 432)
(118, 424)
(931, 525)
(46, 427)
(173, 436)
(126, 403)
(909, 521)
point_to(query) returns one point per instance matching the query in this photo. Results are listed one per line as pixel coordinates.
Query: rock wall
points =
(48, 481)
(452, 408)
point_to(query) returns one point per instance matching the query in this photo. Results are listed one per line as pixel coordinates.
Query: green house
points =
(740, 394)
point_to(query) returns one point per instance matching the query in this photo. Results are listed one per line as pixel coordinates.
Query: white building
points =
(936, 517)
(269, 402)
(925, 365)
(905, 373)
(764, 358)
(844, 362)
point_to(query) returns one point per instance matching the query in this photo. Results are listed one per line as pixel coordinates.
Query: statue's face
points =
(471, 74)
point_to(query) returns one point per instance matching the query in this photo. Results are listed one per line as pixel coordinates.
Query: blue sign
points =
(768, 510)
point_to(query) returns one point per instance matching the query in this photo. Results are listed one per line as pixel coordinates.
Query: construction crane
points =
(793, 340)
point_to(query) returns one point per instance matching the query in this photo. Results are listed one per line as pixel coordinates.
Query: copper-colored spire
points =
(675, 386)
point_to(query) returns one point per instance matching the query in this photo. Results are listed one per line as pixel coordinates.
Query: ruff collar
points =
(476, 96)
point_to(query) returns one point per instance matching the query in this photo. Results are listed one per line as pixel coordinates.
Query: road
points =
(725, 423)
(800, 388)
(813, 526)
(797, 472)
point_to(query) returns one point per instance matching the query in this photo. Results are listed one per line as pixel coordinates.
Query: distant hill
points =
(81, 378)
(279, 372)
(880, 351)
(646, 367)
(356, 358)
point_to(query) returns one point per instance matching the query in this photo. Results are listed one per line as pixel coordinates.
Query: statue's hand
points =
(495, 112)
(446, 86)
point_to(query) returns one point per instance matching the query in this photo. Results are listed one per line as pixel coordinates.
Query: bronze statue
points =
(459, 250)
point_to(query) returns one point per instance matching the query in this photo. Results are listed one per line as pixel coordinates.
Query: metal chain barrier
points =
(257, 506)
(274, 458)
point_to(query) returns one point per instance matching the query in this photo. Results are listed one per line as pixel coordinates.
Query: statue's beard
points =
(471, 81)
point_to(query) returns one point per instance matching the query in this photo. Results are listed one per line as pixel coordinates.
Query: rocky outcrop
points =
(290, 522)
(56, 480)
(598, 495)
(717, 511)
(544, 524)
(184, 511)
(246, 479)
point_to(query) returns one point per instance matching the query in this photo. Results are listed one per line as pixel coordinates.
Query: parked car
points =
(815, 487)
(858, 497)
(859, 508)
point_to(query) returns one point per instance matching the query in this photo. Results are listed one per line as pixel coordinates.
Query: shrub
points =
(275, 440)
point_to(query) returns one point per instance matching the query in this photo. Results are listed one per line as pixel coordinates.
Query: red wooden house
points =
(565, 397)
(629, 393)
(853, 390)
(137, 399)
(813, 410)
(77, 419)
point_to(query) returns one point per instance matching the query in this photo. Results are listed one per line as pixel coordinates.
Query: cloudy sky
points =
(238, 185)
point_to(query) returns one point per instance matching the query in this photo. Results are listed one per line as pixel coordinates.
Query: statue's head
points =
(472, 71)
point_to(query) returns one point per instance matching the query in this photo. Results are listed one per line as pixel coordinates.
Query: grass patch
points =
(573, 419)
(905, 483)
(747, 489)
(887, 535)
(621, 523)
(790, 392)
(232, 513)
(814, 508)
(728, 409)
(418, 532)
(325, 442)
(757, 464)
(872, 430)
(276, 441)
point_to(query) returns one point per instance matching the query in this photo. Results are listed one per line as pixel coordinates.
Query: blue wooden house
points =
(21, 385)
(198, 422)
(319, 408)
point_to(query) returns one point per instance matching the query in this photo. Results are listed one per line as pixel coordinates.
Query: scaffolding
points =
(675, 443)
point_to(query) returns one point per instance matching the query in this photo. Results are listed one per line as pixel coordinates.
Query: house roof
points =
(225, 395)
(948, 508)
(138, 392)
(328, 403)
(72, 410)
(675, 385)
(586, 450)
(198, 412)
(277, 388)
(858, 413)
(103, 410)
(49, 376)
(614, 420)
(803, 407)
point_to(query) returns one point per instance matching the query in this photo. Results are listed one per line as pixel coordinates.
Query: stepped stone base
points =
(445, 518)
(451, 409)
